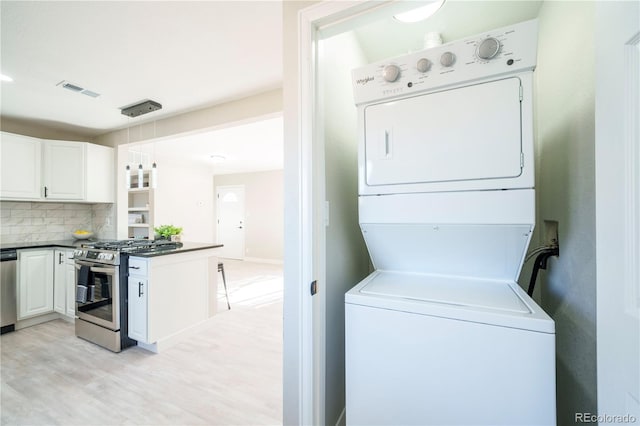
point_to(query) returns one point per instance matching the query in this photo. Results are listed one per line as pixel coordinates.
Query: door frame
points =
(617, 181)
(305, 246)
(244, 194)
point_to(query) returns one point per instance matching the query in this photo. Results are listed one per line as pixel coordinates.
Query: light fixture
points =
(5, 78)
(420, 13)
(217, 158)
(143, 107)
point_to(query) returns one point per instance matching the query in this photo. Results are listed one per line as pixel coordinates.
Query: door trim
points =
(305, 255)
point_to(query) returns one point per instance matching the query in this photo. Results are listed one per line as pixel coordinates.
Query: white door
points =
(618, 209)
(231, 221)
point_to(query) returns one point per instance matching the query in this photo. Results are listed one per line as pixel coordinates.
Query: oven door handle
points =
(110, 271)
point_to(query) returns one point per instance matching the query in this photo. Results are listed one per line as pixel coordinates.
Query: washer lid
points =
(500, 303)
(467, 292)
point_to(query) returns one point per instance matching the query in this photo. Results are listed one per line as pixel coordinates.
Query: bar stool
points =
(224, 281)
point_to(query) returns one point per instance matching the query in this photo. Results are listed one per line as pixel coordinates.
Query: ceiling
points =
(456, 19)
(264, 139)
(184, 55)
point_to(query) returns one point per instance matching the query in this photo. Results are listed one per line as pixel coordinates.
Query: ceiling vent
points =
(77, 89)
(140, 108)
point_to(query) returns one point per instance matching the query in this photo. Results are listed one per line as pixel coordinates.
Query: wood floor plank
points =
(230, 373)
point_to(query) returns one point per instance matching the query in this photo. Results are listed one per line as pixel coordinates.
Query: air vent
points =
(77, 89)
(73, 87)
(90, 93)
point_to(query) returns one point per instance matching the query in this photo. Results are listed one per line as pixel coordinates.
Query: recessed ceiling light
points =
(421, 13)
(5, 78)
(217, 158)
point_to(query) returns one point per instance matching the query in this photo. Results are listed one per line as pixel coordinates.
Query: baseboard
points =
(261, 260)
(342, 420)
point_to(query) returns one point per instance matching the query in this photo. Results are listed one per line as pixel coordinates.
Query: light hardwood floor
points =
(229, 374)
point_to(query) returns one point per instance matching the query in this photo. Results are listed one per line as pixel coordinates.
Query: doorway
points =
(230, 221)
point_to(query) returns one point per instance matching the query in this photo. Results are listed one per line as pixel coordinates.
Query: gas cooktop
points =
(108, 252)
(133, 246)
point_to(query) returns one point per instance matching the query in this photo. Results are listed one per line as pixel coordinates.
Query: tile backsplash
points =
(23, 221)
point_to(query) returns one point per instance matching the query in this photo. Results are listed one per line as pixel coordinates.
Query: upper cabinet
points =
(64, 170)
(20, 167)
(49, 170)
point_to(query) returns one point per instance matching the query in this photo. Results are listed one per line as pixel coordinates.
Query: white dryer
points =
(441, 333)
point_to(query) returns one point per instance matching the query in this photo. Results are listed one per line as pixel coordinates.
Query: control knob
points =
(488, 48)
(423, 65)
(391, 73)
(447, 59)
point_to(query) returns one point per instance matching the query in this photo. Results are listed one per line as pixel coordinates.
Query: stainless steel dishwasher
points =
(8, 303)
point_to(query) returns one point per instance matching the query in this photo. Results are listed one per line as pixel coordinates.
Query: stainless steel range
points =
(101, 289)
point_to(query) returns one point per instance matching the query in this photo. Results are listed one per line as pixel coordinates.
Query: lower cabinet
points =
(70, 282)
(64, 283)
(169, 294)
(46, 282)
(137, 292)
(35, 283)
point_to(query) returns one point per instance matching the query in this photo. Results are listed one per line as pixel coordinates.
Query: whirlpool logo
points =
(365, 80)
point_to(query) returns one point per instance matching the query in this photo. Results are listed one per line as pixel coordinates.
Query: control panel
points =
(502, 51)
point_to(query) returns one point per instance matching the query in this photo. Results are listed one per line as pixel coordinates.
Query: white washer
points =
(441, 333)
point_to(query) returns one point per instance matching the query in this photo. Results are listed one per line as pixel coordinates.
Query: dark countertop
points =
(72, 244)
(186, 247)
(44, 244)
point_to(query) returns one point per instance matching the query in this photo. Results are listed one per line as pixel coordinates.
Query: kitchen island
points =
(160, 292)
(171, 294)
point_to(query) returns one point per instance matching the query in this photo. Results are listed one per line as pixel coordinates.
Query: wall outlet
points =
(551, 233)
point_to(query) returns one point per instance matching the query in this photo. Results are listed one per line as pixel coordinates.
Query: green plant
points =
(166, 231)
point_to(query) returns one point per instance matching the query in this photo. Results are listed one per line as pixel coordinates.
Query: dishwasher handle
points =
(8, 255)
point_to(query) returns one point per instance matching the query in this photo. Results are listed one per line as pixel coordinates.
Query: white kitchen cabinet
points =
(35, 282)
(70, 272)
(64, 282)
(64, 170)
(170, 294)
(50, 170)
(20, 167)
(137, 291)
(140, 208)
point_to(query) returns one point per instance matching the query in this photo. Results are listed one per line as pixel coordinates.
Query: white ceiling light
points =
(217, 158)
(5, 78)
(421, 13)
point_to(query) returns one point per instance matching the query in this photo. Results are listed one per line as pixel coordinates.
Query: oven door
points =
(97, 294)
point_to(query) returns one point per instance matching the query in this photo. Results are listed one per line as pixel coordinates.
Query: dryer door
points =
(462, 134)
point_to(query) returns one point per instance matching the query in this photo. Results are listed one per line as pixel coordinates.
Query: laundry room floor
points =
(228, 374)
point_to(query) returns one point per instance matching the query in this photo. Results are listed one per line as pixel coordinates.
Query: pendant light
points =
(140, 176)
(128, 176)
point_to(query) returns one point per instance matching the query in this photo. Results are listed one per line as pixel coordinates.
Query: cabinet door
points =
(20, 167)
(35, 282)
(59, 282)
(137, 292)
(70, 271)
(64, 176)
(100, 174)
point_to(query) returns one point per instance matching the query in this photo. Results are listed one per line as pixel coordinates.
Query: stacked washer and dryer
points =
(441, 333)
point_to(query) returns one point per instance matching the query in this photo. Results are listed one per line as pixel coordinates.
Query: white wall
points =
(264, 212)
(184, 198)
(566, 193)
(347, 260)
